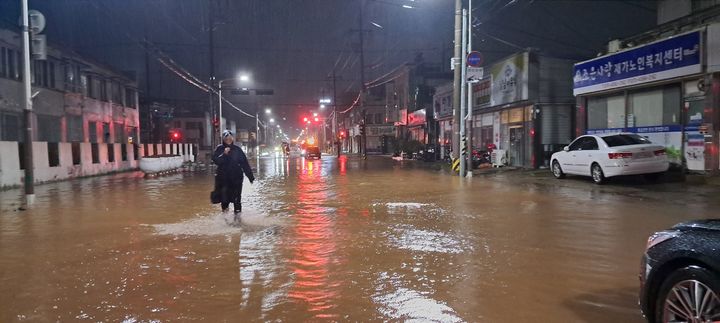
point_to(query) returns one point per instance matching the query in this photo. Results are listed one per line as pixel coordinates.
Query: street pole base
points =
(29, 199)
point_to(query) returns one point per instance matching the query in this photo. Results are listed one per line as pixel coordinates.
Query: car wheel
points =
(557, 170)
(689, 294)
(653, 177)
(597, 174)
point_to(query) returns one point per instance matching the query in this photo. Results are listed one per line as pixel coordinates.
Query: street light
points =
(242, 78)
(268, 111)
(272, 120)
(322, 106)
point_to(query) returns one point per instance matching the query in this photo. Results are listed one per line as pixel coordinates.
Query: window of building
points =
(177, 124)
(48, 128)
(130, 98)
(379, 118)
(119, 133)
(75, 146)
(53, 154)
(86, 85)
(136, 152)
(74, 81)
(106, 132)
(40, 75)
(13, 64)
(74, 126)
(117, 95)
(123, 152)
(654, 107)
(606, 112)
(92, 132)
(89, 86)
(103, 90)
(11, 127)
(95, 152)
(3, 62)
(111, 153)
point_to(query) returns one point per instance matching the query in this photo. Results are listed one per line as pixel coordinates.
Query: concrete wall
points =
(669, 10)
(11, 175)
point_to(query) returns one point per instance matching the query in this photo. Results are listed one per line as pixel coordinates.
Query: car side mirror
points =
(566, 148)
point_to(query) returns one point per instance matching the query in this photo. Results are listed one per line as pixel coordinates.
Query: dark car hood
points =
(708, 224)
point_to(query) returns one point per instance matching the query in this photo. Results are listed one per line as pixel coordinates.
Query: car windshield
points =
(625, 140)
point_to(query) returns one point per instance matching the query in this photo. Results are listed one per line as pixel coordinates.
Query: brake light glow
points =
(619, 155)
(660, 152)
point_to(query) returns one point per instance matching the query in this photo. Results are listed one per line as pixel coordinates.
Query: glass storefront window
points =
(659, 106)
(606, 112)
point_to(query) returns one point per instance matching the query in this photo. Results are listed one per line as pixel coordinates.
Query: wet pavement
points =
(329, 240)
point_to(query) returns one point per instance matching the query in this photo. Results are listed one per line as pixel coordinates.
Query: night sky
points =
(292, 46)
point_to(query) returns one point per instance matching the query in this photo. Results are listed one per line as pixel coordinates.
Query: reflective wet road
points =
(347, 240)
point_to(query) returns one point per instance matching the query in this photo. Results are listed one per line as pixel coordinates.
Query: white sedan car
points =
(609, 155)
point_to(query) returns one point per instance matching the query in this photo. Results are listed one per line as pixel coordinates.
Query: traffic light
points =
(342, 134)
(175, 136)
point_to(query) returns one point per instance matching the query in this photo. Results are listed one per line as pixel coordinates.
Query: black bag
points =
(215, 197)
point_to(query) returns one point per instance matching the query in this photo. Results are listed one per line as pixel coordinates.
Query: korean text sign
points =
(673, 57)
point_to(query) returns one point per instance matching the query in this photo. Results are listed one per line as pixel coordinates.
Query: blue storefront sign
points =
(665, 59)
(638, 130)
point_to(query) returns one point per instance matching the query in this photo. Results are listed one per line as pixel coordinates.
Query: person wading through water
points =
(232, 164)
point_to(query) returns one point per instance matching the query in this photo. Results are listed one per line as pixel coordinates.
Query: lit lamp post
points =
(244, 78)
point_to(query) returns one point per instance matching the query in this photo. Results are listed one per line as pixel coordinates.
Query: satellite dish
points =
(37, 21)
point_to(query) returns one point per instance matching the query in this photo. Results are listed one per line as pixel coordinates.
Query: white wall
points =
(11, 174)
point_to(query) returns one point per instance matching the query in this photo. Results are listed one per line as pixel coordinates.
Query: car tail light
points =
(619, 155)
(660, 152)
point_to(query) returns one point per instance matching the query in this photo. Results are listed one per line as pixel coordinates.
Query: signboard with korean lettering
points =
(665, 59)
(481, 93)
(417, 118)
(510, 80)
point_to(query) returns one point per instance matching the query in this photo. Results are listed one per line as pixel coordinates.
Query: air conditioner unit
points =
(498, 158)
(614, 46)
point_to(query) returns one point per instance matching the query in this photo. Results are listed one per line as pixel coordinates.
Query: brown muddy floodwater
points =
(330, 240)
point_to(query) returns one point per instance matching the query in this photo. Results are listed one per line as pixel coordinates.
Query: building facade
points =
(663, 84)
(85, 115)
(523, 107)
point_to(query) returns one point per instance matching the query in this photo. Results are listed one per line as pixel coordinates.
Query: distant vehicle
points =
(680, 274)
(313, 152)
(610, 155)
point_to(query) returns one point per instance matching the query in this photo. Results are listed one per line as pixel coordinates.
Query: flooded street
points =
(347, 240)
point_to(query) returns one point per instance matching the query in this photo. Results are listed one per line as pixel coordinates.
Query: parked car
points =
(313, 152)
(610, 155)
(680, 274)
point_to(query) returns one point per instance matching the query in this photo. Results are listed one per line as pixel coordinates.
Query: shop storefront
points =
(443, 113)
(525, 120)
(417, 126)
(657, 90)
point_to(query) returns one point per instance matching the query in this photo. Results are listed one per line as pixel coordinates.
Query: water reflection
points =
(313, 248)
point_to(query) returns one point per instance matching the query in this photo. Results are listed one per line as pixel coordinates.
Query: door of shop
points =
(516, 149)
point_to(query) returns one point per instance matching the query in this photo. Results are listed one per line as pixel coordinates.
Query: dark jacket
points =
(232, 166)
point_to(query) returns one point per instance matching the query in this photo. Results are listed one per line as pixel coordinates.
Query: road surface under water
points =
(347, 240)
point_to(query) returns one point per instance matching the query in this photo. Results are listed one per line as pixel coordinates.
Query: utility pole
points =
(457, 82)
(27, 102)
(363, 140)
(211, 44)
(463, 99)
(469, 117)
(335, 112)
